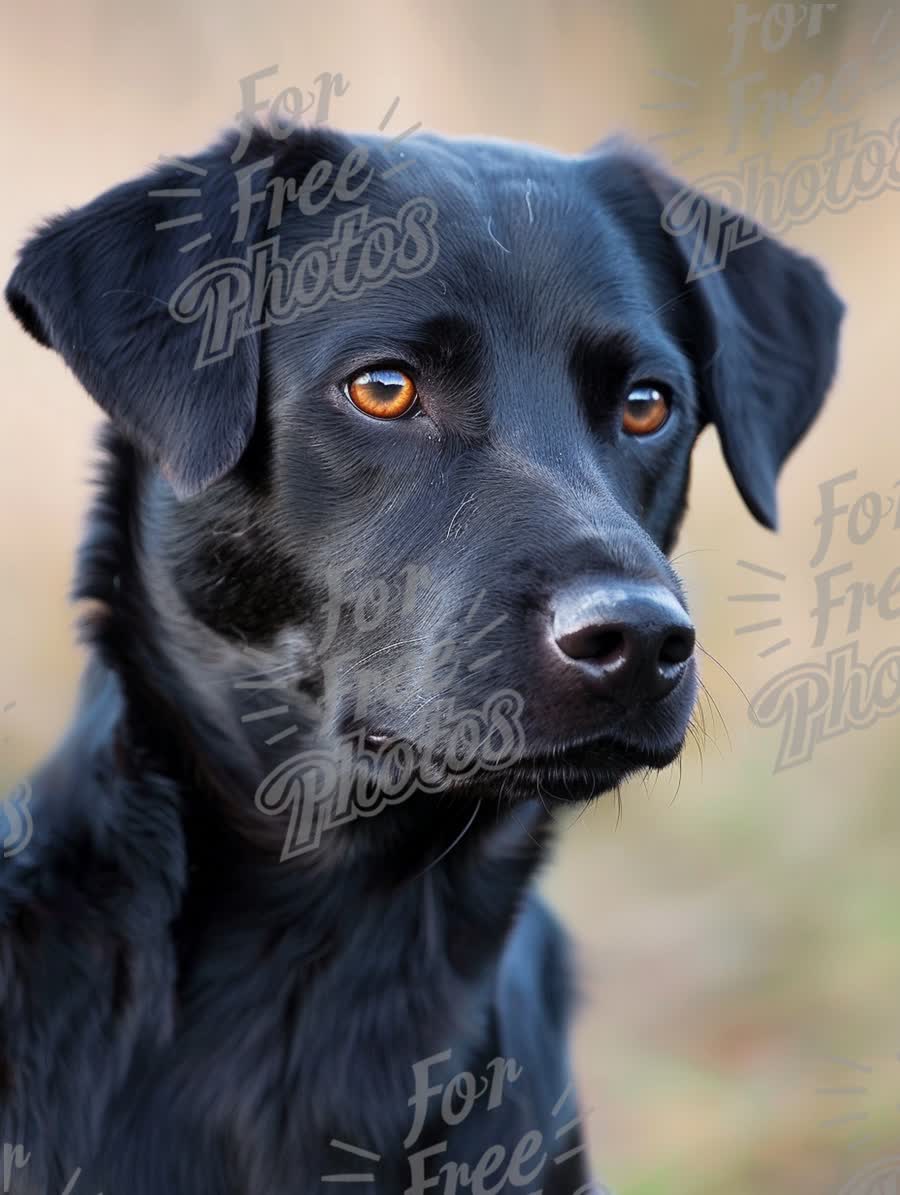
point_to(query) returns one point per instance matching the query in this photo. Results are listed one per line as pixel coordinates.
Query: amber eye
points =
(646, 410)
(382, 393)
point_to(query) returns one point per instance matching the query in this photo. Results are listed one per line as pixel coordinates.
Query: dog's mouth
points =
(585, 770)
(568, 771)
(516, 749)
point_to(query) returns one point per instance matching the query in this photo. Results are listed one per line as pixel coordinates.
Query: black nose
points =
(630, 640)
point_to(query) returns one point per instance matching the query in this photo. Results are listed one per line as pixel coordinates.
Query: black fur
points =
(182, 1010)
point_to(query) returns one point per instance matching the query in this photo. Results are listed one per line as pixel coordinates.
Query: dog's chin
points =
(518, 760)
(573, 774)
(582, 772)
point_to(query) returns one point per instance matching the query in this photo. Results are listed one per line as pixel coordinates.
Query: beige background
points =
(739, 930)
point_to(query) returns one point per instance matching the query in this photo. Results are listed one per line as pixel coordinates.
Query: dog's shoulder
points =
(87, 961)
(539, 1109)
(536, 993)
(538, 961)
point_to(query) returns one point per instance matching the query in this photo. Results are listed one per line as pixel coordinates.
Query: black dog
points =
(377, 579)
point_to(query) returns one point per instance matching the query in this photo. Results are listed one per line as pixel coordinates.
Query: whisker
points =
(715, 705)
(678, 786)
(719, 664)
(458, 839)
(691, 552)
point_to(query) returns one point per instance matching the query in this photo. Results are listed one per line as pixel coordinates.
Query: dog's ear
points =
(95, 284)
(759, 320)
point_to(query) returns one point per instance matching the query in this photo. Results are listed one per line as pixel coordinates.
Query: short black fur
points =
(183, 1010)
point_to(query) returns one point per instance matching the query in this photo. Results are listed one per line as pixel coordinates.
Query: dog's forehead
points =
(514, 223)
(520, 199)
(529, 261)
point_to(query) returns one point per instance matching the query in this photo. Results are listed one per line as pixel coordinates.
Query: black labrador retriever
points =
(376, 583)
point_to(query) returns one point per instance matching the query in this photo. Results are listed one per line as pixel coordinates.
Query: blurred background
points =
(738, 926)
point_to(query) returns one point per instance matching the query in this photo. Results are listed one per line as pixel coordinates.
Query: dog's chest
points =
(282, 1074)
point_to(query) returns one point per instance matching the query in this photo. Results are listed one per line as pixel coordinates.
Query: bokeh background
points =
(738, 928)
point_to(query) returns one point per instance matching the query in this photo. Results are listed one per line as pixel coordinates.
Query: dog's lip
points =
(577, 751)
(603, 750)
(586, 769)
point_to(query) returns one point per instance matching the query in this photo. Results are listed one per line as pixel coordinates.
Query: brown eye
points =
(382, 393)
(646, 410)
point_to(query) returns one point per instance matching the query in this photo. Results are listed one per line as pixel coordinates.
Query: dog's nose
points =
(630, 640)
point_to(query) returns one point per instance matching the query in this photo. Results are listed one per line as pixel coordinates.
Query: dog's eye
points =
(646, 410)
(382, 393)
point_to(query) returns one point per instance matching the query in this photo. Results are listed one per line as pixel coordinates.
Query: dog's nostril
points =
(677, 646)
(599, 644)
(629, 641)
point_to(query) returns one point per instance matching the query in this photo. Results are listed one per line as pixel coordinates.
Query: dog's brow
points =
(442, 337)
(619, 350)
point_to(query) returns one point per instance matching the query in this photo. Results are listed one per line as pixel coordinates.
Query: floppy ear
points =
(95, 284)
(761, 323)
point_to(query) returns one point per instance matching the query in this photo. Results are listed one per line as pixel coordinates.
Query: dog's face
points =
(447, 490)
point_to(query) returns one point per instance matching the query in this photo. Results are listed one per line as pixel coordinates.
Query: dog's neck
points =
(394, 938)
(186, 710)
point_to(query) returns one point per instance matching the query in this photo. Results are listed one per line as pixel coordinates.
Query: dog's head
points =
(421, 437)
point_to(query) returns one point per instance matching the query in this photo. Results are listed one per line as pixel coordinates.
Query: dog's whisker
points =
(692, 731)
(704, 688)
(719, 664)
(707, 697)
(691, 552)
(524, 829)
(698, 718)
(456, 841)
(678, 785)
(584, 810)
